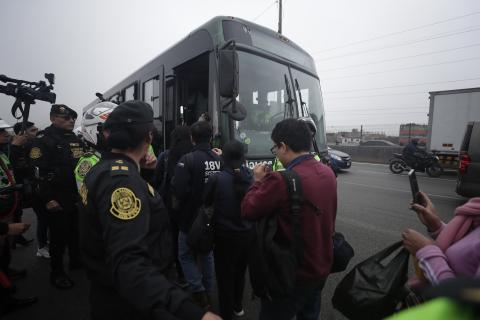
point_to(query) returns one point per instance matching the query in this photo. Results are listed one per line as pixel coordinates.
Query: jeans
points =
(304, 303)
(198, 280)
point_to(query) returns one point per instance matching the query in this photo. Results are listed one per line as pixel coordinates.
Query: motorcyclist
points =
(92, 122)
(91, 132)
(413, 154)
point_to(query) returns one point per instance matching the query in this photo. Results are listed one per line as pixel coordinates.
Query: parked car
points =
(339, 160)
(468, 177)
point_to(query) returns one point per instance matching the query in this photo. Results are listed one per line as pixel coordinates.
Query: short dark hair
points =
(18, 126)
(201, 132)
(294, 133)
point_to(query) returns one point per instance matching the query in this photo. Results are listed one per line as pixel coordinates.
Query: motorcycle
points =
(429, 164)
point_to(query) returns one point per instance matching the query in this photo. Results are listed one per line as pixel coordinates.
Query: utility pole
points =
(361, 133)
(280, 16)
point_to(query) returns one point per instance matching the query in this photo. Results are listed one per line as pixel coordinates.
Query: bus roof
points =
(216, 33)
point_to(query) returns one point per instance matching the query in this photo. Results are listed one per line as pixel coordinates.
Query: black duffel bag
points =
(342, 253)
(373, 288)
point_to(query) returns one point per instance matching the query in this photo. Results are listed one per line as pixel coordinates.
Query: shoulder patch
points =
(35, 153)
(151, 190)
(125, 205)
(83, 193)
(83, 167)
(116, 170)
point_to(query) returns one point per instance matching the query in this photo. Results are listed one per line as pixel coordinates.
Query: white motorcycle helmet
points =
(93, 118)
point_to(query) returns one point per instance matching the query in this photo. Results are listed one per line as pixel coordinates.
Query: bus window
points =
(130, 93)
(151, 92)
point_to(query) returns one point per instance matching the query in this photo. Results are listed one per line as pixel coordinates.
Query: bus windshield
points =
(312, 103)
(263, 90)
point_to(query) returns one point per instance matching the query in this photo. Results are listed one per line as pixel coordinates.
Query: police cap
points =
(130, 113)
(62, 110)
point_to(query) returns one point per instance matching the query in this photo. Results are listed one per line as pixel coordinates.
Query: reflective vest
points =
(84, 165)
(9, 204)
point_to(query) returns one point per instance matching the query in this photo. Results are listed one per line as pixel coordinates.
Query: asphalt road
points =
(372, 212)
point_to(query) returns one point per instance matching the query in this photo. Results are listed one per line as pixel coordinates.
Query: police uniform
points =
(86, 162)
(53, 156)
(125, 237)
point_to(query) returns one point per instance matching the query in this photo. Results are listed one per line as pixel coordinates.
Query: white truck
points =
(449, 113)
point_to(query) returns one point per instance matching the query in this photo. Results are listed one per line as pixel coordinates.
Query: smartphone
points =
(413, 185)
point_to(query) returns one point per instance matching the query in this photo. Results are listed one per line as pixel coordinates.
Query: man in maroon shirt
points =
(268, 196)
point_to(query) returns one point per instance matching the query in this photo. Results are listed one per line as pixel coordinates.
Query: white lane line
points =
(399, 190)
(400, 175)
(371, 164)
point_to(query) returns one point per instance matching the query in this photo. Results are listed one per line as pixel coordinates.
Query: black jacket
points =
(126, 242)
(188, 183)
(220, 191)
(55, 153)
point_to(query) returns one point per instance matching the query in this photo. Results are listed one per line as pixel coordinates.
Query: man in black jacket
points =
(191, 175)
(54, 156)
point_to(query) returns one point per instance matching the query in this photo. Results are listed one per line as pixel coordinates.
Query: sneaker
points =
(43, 253)
(240, 313)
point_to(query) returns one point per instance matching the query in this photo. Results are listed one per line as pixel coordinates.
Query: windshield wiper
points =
(288, 110)
(303, 105)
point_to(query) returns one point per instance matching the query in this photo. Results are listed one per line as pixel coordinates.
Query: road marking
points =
(399, 190)
(402, 175)
(371, 164)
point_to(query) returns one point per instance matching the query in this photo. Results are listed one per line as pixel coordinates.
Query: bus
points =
(244, 76)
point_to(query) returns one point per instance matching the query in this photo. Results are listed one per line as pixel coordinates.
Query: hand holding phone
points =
(413, 185)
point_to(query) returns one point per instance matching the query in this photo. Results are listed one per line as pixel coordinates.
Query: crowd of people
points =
(126, 215)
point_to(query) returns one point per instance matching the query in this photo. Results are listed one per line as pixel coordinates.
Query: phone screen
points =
(413, 184)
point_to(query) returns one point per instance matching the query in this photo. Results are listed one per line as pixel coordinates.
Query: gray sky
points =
(91, 45)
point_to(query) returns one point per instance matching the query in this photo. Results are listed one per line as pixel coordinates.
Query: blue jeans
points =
(304, 303)
(199, 279)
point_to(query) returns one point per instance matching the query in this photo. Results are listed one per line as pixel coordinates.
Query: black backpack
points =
(274, 261)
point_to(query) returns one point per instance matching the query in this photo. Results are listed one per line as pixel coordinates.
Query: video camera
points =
(26, 93)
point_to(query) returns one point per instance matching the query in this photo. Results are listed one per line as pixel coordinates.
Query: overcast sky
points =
(377, 60)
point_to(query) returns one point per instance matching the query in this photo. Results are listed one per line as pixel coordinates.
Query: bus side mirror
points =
(228, 73)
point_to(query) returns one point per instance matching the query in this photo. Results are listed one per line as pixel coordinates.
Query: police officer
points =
(125, 230)
(91, 132)
(54, 155)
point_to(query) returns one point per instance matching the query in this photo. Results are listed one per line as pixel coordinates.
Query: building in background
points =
(410, 131)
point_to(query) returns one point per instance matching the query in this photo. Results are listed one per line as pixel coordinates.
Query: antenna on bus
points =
(280, 16)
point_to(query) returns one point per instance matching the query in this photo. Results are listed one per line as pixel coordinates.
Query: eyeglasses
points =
(273, 149)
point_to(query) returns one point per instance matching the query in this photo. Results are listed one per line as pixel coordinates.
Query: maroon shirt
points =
(319, 186)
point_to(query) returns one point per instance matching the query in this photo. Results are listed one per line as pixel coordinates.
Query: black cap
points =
(62, 110)
(18, 126)
(130, 113)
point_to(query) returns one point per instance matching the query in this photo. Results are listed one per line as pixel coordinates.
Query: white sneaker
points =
(240, 313)
(43, 253)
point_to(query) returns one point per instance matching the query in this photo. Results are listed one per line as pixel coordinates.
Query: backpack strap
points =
(294, 189)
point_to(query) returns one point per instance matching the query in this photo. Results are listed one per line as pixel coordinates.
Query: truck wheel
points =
(435, 170)
(397, 166)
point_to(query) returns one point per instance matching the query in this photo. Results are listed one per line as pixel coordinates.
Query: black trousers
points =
(231, 254)
(63, 233)
(42, 221)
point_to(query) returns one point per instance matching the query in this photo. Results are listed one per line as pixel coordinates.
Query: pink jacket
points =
(457, 248)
